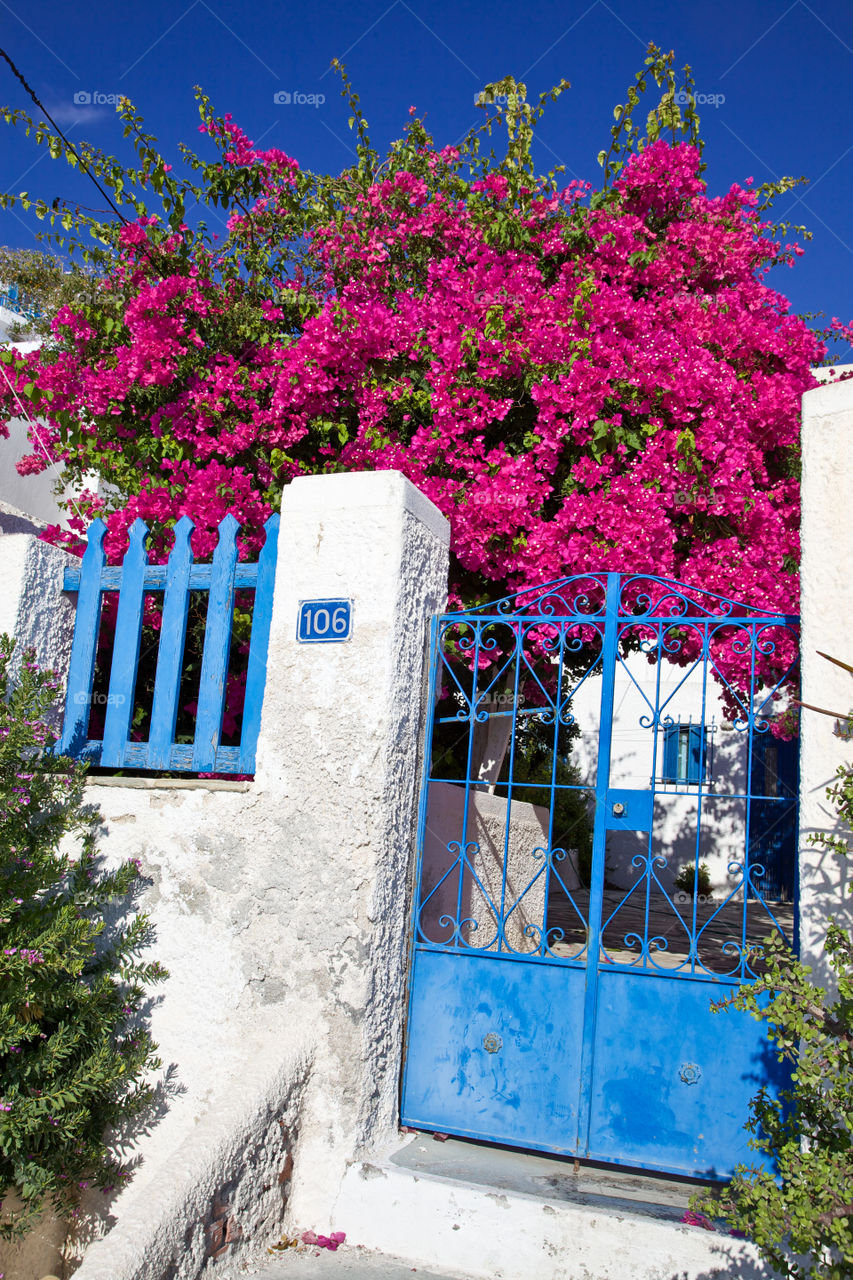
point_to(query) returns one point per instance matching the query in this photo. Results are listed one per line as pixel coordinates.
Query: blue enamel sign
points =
(324, 621)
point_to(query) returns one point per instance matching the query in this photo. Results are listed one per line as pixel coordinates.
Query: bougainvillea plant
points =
(74, 1057)
(578, 379)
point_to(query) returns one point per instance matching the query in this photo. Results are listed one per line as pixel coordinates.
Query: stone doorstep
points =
(472, 1210)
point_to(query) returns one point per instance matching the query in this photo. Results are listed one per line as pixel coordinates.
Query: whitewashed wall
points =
(826, 578)
(723, 821)
(279, 905)
(36, 496)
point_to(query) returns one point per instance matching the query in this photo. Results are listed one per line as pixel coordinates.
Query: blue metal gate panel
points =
(672, 1080)
(550, 1006)
(504, 1049)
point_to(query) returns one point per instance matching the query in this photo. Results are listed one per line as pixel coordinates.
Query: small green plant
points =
(691, 881)
(73, 1058)
(800, 1211)
(800, 1214)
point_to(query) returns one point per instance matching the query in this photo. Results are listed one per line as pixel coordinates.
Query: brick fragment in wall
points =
(287, 1171)
(221, 1234)
(223, 1230)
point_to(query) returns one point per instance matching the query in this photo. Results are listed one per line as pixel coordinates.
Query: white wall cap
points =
(349, 490)
(830, 372)
(832, 397)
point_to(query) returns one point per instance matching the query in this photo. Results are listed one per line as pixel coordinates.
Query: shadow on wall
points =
(732, 1263)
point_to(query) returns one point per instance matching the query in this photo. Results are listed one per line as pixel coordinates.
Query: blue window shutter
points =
(695, 752)
(789, 765)
(685, 754)
(670, 752)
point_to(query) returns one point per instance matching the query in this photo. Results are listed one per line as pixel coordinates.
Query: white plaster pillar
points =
(338, 761)
(33, 608)
(826, 603)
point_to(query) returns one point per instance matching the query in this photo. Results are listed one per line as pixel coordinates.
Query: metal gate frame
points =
(648, 1072)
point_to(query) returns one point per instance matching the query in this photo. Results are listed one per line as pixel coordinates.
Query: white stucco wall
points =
(723, 820)
(826, 589)
(39, 495)
(33, 608)
(280, 905)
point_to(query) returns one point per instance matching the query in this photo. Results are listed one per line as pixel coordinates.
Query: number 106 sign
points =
(324, 621)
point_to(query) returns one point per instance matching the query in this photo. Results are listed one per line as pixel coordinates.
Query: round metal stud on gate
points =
(618, 810)
(492, 1042)
(690, 1073)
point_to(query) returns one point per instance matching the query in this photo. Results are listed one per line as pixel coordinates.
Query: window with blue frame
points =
(685, 754)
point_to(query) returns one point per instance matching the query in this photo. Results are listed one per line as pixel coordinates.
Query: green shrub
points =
(73, 1057)
(688, 881)
(801, 1218)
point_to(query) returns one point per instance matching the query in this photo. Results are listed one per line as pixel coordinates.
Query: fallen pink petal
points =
(692, 1219)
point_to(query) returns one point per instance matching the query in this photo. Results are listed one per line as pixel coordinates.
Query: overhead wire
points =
(70, 145)
(112, 206)
(146, 249)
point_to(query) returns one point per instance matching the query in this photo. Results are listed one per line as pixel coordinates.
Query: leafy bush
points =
(73, 1059)
(802, 1218)
(690, 881)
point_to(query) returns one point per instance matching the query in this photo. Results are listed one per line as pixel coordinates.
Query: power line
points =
(69, 145)
(146, 249)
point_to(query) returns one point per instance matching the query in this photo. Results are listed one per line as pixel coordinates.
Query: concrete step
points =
(347, 1264)
(471, 1210)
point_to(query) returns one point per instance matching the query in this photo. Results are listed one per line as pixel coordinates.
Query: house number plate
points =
(324, 621)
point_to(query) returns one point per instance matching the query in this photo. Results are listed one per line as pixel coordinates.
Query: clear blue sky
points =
(783, 68)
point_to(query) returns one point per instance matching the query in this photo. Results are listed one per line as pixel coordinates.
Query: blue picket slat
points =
(84, 645)
(176, 579)
(125, 648)
(217, 644)
(258, 646)
(173, 630)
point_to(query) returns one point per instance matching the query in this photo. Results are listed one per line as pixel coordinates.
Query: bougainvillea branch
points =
(579, 380)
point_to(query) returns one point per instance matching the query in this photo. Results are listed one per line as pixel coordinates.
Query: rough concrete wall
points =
(32, 606)
(338, 759)
(500, 843)
(280, 906)
(826, 603)
(218, 1200)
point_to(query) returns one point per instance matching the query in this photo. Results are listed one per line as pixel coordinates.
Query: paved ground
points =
(726, 925)
(346, 1264)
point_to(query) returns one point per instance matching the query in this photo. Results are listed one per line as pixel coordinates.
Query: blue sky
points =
(775, 76)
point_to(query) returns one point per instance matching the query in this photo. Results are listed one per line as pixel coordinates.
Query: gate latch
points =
(628, 809)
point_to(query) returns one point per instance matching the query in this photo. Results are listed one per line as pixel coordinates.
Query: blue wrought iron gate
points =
(597, 799)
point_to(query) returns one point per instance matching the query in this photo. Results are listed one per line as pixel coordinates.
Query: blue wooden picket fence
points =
(135, 579)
